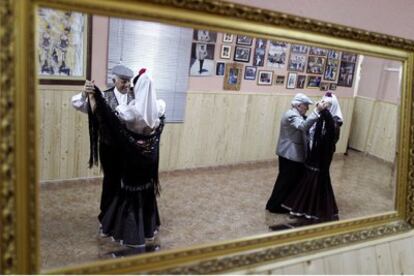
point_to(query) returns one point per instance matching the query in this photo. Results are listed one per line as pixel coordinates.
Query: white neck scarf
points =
(121, 98)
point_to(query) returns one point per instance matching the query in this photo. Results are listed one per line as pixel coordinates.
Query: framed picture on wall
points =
(332, 86)
(228, 37)
(250, 73)
(349, 57)
(258, 57)
(204, 36)
(291, 80)
(334, 54)
(316, 65)
(296, 63)
(244, 40)
(202, 59)
(280, 80)
(331, 70)
(260, 43)
(259, 52)
(220, 68)
(313, 81)
(346, 74)
(276, 56)
(300, 83)
(315, 51)
(64, 47)
(265, 77)
(232, 76)
(242, 54)
(324, 86)
(225, 52)
(299, 49)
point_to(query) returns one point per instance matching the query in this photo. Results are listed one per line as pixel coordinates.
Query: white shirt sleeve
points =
(80, 103)
(161, 107)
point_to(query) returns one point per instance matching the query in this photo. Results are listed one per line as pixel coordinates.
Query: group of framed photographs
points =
(242, 49)
(295, 80)
(233, 73)
(306, 66)
(327, 68)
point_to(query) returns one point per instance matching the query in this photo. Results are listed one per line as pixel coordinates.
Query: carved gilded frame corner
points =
(19, 222)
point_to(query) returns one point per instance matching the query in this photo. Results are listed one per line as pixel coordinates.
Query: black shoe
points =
(128, 252)
(278, 227)
(301, 223)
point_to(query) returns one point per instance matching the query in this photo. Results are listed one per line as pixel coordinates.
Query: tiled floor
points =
(200, 206)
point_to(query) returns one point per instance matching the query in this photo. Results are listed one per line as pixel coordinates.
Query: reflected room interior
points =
(217, 159)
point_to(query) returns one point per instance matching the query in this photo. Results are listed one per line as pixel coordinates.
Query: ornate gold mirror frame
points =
(19, 222)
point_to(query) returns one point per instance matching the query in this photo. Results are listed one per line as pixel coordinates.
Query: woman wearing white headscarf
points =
(314, 198)
(133, 218)
(142, 115)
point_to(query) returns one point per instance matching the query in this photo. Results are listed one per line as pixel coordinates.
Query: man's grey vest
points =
(110, 98)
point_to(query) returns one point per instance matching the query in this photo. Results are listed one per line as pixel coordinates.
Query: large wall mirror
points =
(217, 154)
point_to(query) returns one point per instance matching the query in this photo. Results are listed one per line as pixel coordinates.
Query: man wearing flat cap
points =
(291, 149)
(109, 153)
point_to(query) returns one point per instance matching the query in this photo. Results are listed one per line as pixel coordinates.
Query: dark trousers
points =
(290, 173)
(111, 162)
(201, 65)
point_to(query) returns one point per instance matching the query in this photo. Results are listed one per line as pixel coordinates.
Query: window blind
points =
(164, 50)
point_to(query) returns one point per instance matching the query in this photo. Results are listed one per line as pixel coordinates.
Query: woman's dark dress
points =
(314, 197)
(133, 214)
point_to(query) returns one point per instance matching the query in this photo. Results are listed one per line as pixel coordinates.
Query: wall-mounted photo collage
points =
(267, 62)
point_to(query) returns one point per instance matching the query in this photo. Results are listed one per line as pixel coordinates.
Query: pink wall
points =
(100, 26)
(353, 13)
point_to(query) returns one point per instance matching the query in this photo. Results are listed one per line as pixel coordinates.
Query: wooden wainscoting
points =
(64, 138)
(219, 129)
(374, 128)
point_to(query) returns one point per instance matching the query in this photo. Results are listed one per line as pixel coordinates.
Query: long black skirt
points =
(313, 198)
(290, 173)
(132, 217)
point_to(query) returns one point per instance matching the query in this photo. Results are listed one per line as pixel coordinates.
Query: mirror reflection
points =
(244, 135)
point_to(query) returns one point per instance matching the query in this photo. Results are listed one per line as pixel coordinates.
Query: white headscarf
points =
(335, 109)
(144, 111)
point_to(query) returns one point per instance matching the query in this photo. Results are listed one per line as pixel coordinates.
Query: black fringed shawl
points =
(325, 137)
(136, 147)
(93, 137)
